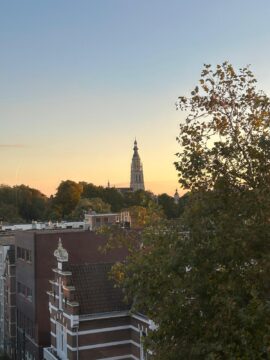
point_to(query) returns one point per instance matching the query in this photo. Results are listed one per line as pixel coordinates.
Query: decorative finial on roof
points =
(60, 253)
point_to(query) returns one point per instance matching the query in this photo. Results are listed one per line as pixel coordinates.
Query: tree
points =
(90, 190)
(67, 196)
(31, 203)
(85, 205)
(142, 216)
(168, 205)
(204, 281)
(113, 197)
(9, 214)
(22, 203)
(138, 198)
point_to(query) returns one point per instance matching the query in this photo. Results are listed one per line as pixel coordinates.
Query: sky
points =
(79, 80)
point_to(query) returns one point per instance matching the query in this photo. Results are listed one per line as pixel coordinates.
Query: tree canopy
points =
(204, 279)
(20, 203)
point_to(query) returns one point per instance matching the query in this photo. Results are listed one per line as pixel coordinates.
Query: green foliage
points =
(204, 280)
(21, 203)
(9, 213)
(24, 204)
(226, 133)
(90, 190)
(31, 203)
(141, 218)
(113, 197)
(138, 198)
(67, 196)
(168, 205)
(84, 205)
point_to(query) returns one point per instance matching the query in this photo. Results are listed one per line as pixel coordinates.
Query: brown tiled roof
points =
(95, 292)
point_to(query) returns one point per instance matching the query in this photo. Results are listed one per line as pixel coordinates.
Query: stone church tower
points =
(136, 176)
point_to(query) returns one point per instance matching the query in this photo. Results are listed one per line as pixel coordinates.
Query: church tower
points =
(136, 176)
(176, 197)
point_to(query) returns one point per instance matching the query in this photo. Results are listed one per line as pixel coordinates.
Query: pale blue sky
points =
(80, 79)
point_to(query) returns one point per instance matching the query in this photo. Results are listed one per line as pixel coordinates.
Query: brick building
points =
(6, 244)
(9, 300)
(34, 263)
(89, 319)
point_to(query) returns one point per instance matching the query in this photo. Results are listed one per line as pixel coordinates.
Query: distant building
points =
(176, 197)
(124, 190)
(42, 226)
(93, 221)
(136, 176)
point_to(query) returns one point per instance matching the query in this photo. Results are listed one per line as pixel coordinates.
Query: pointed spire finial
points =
(135, 145)
(176, 197)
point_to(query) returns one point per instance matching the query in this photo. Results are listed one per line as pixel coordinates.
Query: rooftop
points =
(96, 293)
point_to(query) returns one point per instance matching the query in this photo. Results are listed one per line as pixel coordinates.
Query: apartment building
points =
(34, 263)
(88, 317)
(9, 325)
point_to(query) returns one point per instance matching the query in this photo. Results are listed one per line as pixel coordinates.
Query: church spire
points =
(136, 176)
(176, 197)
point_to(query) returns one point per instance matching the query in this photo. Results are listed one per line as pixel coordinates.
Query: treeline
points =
(20, 204)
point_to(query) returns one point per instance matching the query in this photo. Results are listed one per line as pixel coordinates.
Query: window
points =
(28, 256)
(24, 254)
(61, 341)
(26, 324)
(28, 292)
(24, 290)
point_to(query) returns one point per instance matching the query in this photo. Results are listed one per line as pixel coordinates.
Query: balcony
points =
(50, 354)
